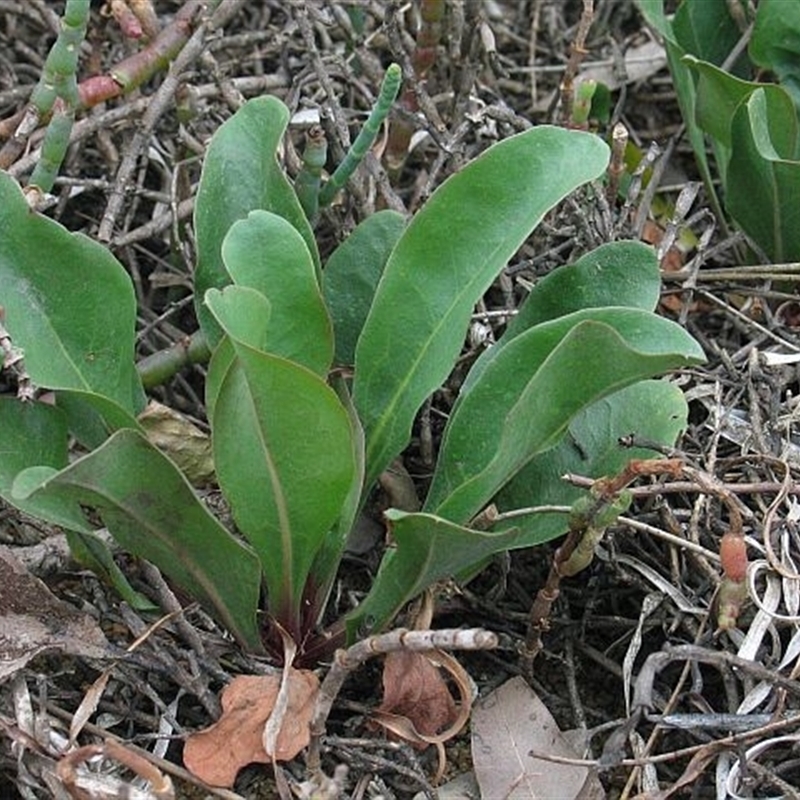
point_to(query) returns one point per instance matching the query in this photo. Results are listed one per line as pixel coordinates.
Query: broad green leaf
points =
(243, 311)
(444, 262)
(429, 548)
(35, 435)
(351, 276)
(221, 360)
(266, 253)
(426, 549)
(655, 410)
(615, 274)
(621, 273)
(285, 460)
(92, 417)
(240, 174)
(68, 304)
(719, 94)
(326, 562)
(763, 185)
(775, 43)
(708, 31)
(152, 511)
(526, 397)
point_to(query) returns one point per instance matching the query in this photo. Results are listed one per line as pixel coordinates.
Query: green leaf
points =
(152, 511)
(763, 185)
(719, 94)
(653, 12)
(426, 549)
(35, 435)
(614, 274)
(708, 31)
(221, 360)
(655, 410)
(284, 457)
(240, 174)
(266, 253)
(328, 557)
(620, 273)
(351, 276)
(243, 311)
(444, 262)
(775, 43)
(68, 304)
(527, 395)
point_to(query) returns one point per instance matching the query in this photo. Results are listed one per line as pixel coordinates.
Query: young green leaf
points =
(243, 311)
(241, 173)
(68, 304)
(266, 253)
(444, 262)
(152, 511)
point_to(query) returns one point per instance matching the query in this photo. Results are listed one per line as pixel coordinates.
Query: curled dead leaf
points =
(216, 754)
(415, 689)
(181, 440)
(417, 704)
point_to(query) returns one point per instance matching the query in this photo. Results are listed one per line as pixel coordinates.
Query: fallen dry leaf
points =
(181, 440)
(216, 754)
(34, 621)
(415, 689)
(506, 726)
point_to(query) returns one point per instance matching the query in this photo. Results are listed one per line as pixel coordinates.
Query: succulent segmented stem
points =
(359, 148)
(58, 75)
(54, 148)
(308, 180)
(59, 81)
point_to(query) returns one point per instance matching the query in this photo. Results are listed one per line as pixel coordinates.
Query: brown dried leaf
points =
(216, 754)
(34, 621)
(414, 688)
